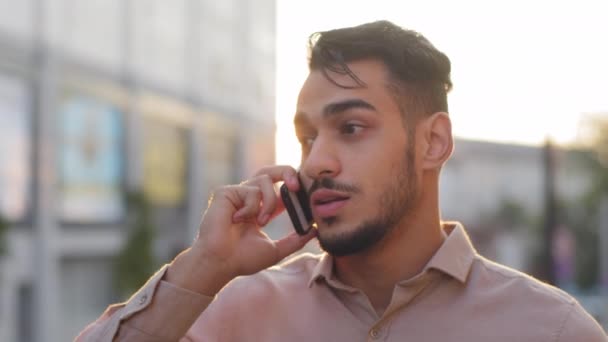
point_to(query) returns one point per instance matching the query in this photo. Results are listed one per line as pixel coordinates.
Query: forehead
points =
(318, 91)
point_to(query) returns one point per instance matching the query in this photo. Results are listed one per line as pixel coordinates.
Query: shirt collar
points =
(322, 270)
(454, 257)
(456, 254)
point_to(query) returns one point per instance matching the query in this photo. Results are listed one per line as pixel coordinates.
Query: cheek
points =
(376, 155)
(372, 169)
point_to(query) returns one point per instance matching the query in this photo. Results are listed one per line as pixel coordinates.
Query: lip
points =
(330, 208)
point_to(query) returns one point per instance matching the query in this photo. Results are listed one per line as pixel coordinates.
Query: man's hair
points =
(420, 74)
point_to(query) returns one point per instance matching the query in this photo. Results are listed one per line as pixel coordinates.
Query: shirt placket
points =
(403, 294)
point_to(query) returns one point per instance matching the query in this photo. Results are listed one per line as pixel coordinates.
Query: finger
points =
(269, 197)
(250, 197)
(293, 243)
(278, 209)
(284, 173)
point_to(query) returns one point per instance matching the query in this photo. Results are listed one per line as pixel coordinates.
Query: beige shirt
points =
(459, 296)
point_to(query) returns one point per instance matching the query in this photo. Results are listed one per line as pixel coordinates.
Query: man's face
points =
(357, 159)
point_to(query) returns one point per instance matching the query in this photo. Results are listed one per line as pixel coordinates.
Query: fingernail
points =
(294, 180)
(288, 177)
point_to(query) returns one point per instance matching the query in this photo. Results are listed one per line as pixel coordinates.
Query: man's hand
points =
(230, 241)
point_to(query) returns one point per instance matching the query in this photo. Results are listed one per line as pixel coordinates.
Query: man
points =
(372, 120)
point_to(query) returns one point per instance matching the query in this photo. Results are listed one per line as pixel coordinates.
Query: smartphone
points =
(297, 205)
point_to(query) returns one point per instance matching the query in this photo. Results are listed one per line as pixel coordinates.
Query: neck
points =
(399, 256)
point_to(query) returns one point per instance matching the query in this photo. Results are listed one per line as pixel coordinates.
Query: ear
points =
(438, 141)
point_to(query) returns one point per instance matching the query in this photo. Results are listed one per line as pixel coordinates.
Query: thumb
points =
(293, 243)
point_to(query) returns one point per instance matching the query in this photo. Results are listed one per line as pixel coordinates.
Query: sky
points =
(523, 71)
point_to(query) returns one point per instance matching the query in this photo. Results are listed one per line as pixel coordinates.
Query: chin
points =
(343, 239)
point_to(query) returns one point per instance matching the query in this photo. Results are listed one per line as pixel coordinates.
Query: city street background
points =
(118, 118)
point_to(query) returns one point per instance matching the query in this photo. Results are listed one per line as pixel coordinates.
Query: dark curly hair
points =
(420, 74)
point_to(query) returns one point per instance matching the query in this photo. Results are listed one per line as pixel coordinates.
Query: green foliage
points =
(3, 230)
(509, 215)
(512, 214)
(581, 218)
(584, 213)
(136, 262)
(595, 129)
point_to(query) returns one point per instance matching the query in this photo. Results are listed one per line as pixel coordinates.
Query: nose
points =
(322, 160)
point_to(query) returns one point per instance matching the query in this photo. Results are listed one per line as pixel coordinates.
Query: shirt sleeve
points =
(580, 326)
(159, 311)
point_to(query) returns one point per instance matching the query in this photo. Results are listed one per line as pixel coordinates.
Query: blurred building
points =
(101, 97)
(483, 177)
(499, 192)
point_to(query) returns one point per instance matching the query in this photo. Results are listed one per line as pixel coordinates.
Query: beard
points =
(395, 202)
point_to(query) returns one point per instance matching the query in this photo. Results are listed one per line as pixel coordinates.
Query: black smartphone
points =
(297, 205)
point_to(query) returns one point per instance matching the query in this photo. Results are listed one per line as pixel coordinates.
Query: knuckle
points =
(265, 178)
(290, 169)
(264, 170)
(222, 192)
(257, 193)
(218, 191)
(248, 181)
(252, 193)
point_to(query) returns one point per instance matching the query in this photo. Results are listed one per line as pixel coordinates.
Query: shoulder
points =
(300, 263)
(272, 289)
(517, 283)
(256, 302)
(533, 301)
(290, 274)
(578, 325)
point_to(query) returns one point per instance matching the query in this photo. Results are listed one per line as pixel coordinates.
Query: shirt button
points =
(143, 299)
(374, 333)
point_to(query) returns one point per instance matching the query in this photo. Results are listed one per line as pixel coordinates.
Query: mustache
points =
(330, 184)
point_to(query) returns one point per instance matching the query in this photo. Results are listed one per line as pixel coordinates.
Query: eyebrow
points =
(336, 108)
(343, 106)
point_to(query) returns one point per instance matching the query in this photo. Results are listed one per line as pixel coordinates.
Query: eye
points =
(350, 128)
